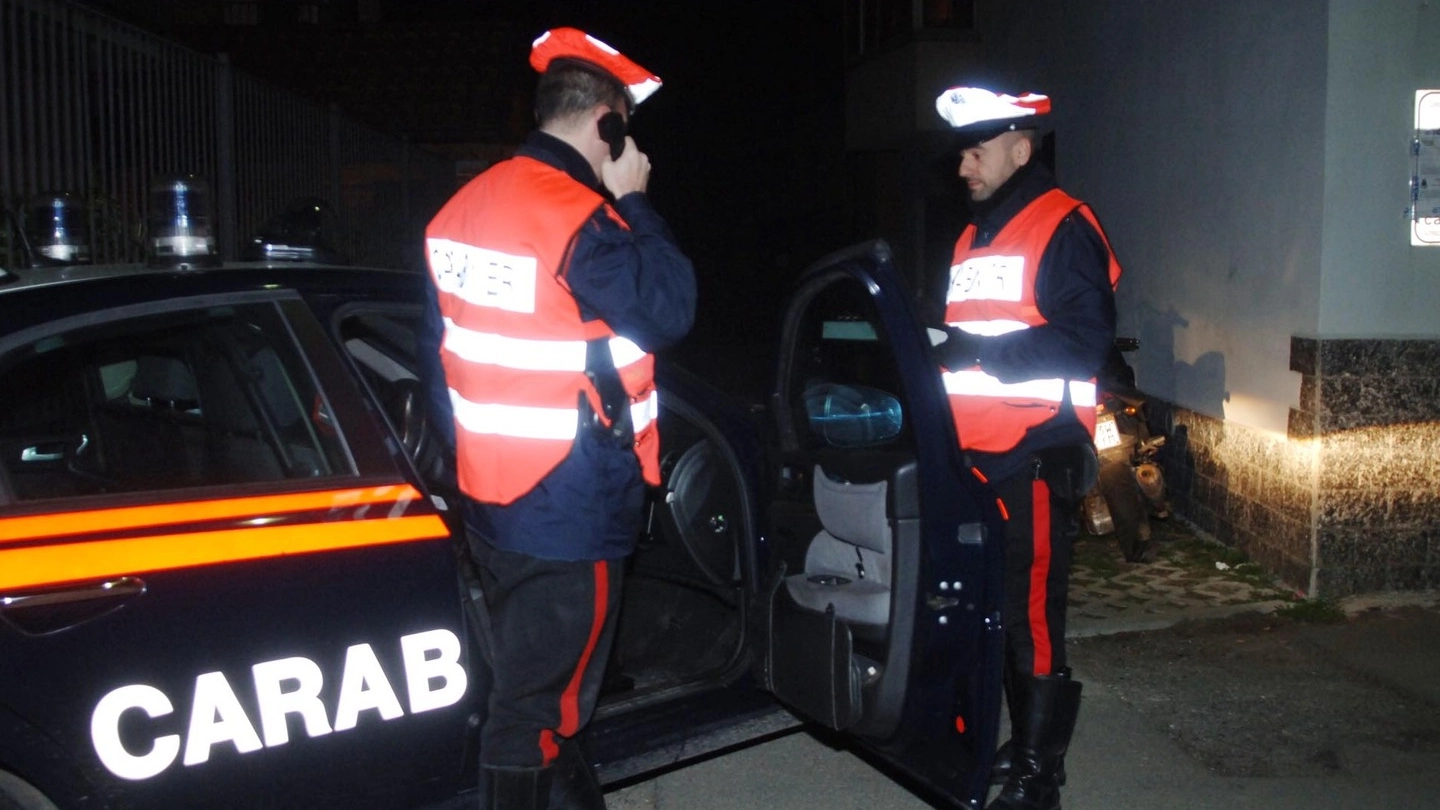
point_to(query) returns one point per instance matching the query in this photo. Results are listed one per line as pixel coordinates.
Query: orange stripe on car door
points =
(69, 562)
(61, 524)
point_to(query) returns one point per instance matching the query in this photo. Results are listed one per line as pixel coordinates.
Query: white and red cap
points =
(975, 111)
(572, 43)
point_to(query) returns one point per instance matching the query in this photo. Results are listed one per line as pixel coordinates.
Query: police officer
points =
(554, 283)
(1029, 321)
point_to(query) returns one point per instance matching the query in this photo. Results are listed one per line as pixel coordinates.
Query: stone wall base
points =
(1349, 501)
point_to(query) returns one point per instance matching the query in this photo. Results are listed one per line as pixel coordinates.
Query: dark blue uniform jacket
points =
(638, 282)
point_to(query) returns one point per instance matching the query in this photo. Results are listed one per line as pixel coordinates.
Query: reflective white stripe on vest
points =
(990, 328)
(559, 424)
(518, 353)
(538, 423)
(644, 412)
(624, 352)
(979, 384)
(531, 355)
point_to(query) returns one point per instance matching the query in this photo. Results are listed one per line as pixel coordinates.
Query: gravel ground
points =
(1258, 695)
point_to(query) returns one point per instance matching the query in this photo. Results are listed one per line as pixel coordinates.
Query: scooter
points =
(1129, 435)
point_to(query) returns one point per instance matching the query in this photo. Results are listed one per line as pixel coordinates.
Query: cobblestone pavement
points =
(1191, 578)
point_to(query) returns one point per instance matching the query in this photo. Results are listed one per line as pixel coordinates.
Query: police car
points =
(228, 576)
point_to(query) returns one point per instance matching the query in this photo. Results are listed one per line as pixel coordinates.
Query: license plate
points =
(1107, 435)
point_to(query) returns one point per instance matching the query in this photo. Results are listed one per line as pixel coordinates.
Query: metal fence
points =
(95, 107)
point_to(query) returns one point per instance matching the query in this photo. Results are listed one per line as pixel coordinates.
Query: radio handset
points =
(612, 131)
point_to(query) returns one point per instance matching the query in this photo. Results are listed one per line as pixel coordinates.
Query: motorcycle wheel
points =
(1128, 510)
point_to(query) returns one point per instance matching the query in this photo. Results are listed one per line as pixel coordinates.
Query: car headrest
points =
(164, 379)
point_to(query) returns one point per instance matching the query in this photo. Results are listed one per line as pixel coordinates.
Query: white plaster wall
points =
(1196, 129)
(1374, 283)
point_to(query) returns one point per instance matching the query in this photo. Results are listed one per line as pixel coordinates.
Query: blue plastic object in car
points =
(852, 415)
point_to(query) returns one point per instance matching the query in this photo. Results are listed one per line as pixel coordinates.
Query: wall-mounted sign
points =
(1425, 177)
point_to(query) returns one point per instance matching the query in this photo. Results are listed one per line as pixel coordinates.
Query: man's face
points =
(986, 166)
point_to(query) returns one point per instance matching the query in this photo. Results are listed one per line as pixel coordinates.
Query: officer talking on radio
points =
(554, 282)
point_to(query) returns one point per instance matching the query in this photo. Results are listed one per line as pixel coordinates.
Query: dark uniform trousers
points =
(546, 636)
(1041, 504)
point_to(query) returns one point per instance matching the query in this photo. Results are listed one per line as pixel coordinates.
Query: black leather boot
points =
(575, 786)
(515, 788)
(1000, 768)
(1047, 708)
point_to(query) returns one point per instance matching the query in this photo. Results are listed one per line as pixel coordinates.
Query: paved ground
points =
(1206, 687)
(1190, 578)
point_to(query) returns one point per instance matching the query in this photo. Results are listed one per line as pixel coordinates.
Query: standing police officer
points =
(1029, 321)
(554, 283)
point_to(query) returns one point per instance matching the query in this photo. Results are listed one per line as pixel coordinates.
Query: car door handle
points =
(37, 453)
(940, 602)
(43, 612)
(120, 588)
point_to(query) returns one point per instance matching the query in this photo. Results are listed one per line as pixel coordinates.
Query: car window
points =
(383, 345)
(382, 342)
(846, 389)
(202, 397)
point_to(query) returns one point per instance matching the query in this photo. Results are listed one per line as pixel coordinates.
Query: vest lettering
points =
(484, 277)
(988, 278)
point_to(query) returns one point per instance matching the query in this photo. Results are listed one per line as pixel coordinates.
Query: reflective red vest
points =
(515, 345)
(992, 292)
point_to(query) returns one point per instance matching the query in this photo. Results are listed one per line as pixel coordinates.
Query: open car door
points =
(879, 610)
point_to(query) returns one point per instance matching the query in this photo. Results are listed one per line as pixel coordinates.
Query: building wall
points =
(1370, 393)
(1374, 283)
(1369, 415)
(1197, 132)
(1249, 489)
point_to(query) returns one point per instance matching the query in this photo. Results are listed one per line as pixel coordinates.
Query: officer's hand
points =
(958, 349)
(628, 174)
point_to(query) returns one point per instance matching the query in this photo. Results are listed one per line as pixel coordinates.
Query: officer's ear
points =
(1023, 149)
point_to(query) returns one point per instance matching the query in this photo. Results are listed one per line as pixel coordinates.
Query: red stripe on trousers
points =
(1040, 575)
(570, 698)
